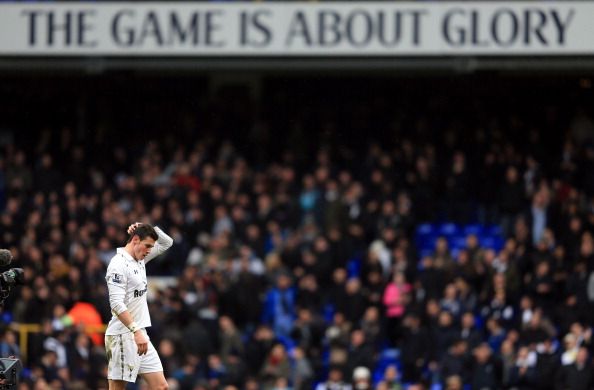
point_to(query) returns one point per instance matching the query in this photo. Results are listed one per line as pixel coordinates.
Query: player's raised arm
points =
(163, 243)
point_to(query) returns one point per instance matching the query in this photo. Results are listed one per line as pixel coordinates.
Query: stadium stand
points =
(316, 232)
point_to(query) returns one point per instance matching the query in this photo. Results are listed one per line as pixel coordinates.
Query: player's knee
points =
(162, 386)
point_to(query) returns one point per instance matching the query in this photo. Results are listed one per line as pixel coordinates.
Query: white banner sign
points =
(387, 29)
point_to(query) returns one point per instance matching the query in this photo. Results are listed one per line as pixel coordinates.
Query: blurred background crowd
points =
(322, 239)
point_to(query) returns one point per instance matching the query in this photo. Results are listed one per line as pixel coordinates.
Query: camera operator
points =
(9, 345)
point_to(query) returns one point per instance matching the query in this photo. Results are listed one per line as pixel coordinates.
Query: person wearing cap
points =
(361, 378)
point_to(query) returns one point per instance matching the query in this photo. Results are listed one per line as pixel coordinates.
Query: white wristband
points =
(133, 326)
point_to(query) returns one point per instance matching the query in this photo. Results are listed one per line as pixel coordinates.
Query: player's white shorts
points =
(123, 362)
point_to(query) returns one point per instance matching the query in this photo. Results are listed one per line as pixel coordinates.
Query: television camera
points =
(10, 367)
(9, 278)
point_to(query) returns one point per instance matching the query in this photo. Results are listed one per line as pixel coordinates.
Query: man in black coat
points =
(455, 362)
(415, 348)
(361, 353)
(547, 365)
(487, 370)
(577, 376)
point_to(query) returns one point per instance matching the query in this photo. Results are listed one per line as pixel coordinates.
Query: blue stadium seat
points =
(287, 342)
(455, 252)
(479, 322)
(425, 229)
(449, 229)
(377, 376)
(354, 268)
(494, 230)
(7, 317)
(475, 229)
(427, 234)
(499, 243)
(457, 242)
(427, 242)
(491, 242)
(329, 311)
(390, 353)
(326, 356)
(388, 356)
(487, 241)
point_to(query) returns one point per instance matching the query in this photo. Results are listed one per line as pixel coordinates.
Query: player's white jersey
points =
(126, 280)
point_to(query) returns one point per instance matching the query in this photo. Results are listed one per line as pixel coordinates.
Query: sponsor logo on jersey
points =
(139, 293)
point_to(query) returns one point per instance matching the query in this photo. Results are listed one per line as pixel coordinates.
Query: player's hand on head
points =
(133, 227)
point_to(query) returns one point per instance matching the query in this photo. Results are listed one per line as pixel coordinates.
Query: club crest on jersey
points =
(116, 278)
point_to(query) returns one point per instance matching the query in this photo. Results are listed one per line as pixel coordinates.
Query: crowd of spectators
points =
(299, 271)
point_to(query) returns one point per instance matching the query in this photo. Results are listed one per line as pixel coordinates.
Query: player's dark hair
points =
(143, 231)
